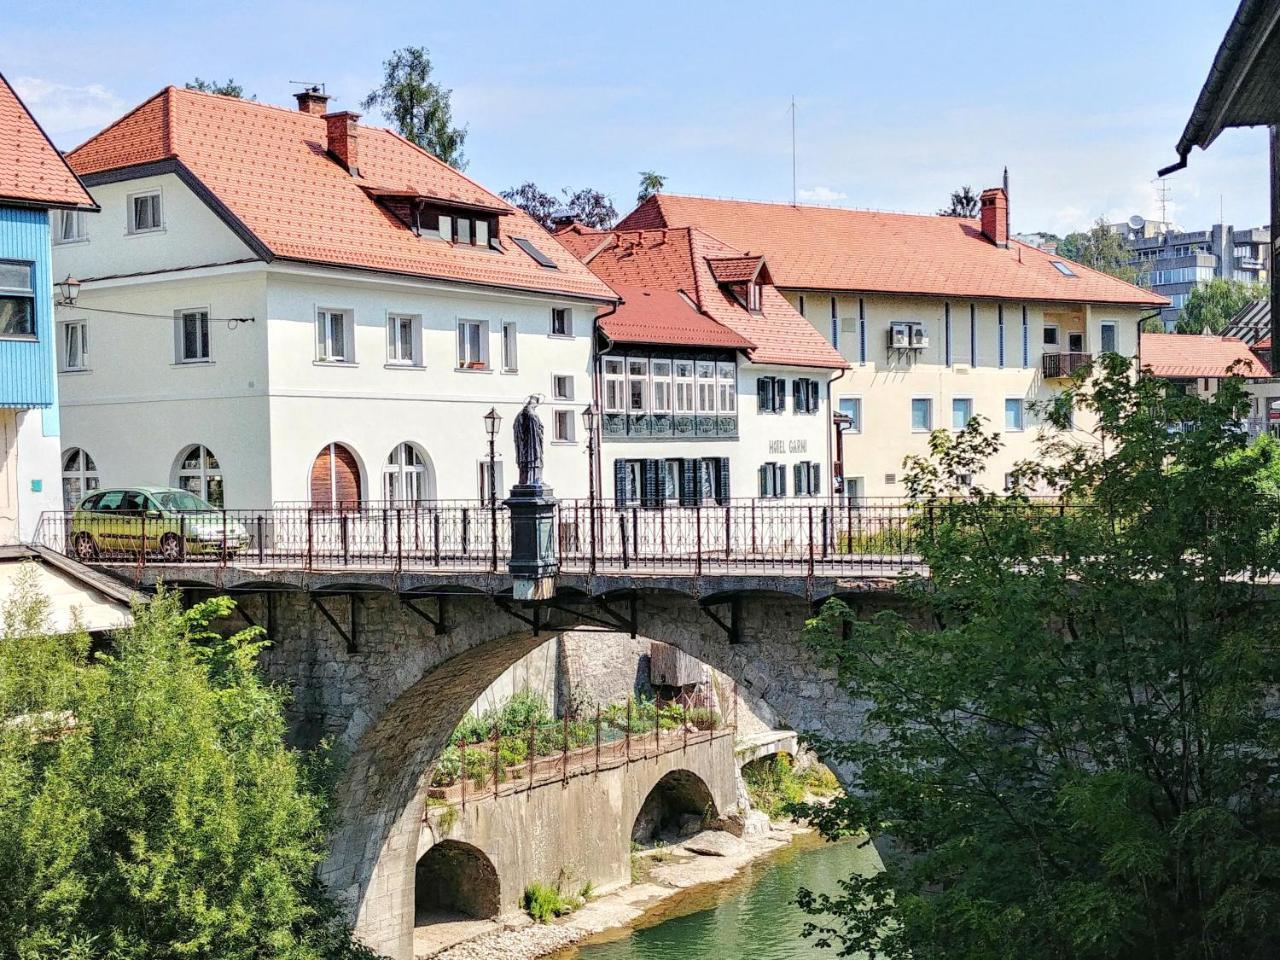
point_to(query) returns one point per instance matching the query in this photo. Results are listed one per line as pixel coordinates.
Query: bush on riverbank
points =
(544, 902)
(774, 784)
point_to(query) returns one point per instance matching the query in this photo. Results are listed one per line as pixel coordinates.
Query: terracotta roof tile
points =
(270, 168)
(656, 316)
(31, 168)
(735, 269)
(824, 248)
(1197, 355)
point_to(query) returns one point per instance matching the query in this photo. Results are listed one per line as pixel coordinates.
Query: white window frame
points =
(203, 473)
(559, 381)
(84, 477)
(705, 388)
(856, 425)
(201, 315)
(482, 474)
(954, 401)
(1115, 336)
(564, 426)
(398, 475)
(685, 397)
(1057, 338)
(1022, 414)
(928, 401)
(661, 385)
(79, 227)
(81, 329)
(635, 379)
(565, 313)
(670, 479)
(324, 335)
(396, 325)
(853, 488)
(132, 229)
(465, 361)
(726, 387)
(615, 385)
(510, 347)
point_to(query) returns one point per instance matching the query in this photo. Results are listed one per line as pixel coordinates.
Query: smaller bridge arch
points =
(676, 796)
(454, 877)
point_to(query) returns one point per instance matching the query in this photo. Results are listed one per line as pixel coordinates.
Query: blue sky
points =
(898, 103)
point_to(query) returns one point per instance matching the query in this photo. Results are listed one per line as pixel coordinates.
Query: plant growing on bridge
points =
(1078, 745)
(150, 806)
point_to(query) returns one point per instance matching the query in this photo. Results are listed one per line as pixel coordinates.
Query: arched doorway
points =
(335, 478)
(406, 476)
(454, 877)
(79, 476)
(197, 471)
(674, 799)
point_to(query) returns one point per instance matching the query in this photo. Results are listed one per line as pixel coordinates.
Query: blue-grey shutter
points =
(797, 396)
(862, 332)
(973, 335)
(722, 475)
(649, 493)
(1000, 335)
(779, 395)
(815, 478)
(764, 396)
(660, 487)
(946, 332)
(620, 482)
(798, 471)
(764, 482)
(780, 481)
(1026, 345)
(813, 396)
(688, 482)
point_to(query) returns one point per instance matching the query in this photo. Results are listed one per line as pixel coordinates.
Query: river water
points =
(752, 917)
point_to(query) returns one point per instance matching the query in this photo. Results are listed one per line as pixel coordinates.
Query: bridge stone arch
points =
(389, 673)
(457, 877)
(674, 796)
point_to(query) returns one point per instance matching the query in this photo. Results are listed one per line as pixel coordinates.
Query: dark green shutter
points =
(780, 481)
(660, 488)
(813, 396)
(764, 396)
(764, 482)
(688, 482)
(620, 482)
(798, 477)
(649, 483)
(722, 495)
(815, 482)
(798, 395)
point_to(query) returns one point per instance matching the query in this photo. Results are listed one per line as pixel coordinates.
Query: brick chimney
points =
(312, 101)
(995, 216)
(343, 139)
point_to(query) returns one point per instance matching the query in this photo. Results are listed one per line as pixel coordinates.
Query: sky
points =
(897, 103)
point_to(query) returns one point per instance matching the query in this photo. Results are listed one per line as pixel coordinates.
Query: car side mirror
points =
(154, 514)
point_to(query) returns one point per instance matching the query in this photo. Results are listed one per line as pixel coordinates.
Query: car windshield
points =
(182, 502)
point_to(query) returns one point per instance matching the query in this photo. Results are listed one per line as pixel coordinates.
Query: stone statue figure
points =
(528, 431)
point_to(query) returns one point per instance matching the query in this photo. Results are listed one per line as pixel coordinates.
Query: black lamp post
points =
(589, 424)
(492, 421)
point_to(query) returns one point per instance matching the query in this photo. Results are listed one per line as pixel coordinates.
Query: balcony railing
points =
(621, 426)
(1064, 364)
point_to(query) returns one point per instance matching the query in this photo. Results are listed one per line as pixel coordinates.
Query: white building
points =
(285, 306)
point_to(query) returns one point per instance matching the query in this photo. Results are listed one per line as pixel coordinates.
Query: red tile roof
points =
(1197, 355)
(680, 261)
(826, 248)
(651, 315)
(269, 167)
(32, 171)
(735, 269)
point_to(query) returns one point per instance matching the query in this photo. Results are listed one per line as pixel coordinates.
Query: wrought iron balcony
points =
(1058, 365)
(680, 426)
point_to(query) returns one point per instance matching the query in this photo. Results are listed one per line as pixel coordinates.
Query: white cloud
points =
(62, 108)
(821, 195)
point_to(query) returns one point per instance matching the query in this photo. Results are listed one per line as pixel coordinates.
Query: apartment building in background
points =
(287, 306)
(940, 319)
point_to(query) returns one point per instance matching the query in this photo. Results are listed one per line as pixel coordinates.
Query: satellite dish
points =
(1136, 222)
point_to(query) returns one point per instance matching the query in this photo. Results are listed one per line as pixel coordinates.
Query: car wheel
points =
(171, 548)
(86, 549)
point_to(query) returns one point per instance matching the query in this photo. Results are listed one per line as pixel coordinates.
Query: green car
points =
(169, 523)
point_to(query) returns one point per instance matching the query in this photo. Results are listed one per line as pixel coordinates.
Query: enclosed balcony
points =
(1058, 365)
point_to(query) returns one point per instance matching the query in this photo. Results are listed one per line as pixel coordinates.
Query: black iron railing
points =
(1064, 364)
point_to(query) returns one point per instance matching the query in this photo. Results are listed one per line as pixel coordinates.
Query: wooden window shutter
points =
(649, 474)
(780, 480)
(764, 395)
(620, 482)
(764, 479)
(688, 483)
(722, 494)
(798, 477)
(779, 395)
(815, 478)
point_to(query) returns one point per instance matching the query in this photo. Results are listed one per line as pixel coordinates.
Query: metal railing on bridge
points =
(854, 536)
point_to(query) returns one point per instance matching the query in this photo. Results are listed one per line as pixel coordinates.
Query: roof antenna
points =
(307, 84)
(793, 150)
(1007, 232)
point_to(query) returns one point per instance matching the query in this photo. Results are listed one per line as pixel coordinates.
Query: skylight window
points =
(1062, 268)
(539, 257)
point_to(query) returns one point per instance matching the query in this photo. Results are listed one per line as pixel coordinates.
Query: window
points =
(637, 385)
(961, 412)
(851, 408)
(706, 386)
(804, 392)
(773, 480)
(800, 305)
(473, 345)
(561, 386)
(684, 386)
(753, 297)
(854, 487)
(1050, 334)
(672, 470)
(563, 426)
(1062, 268)
(404, 475)
(628, 481)
(74, 345)
(17, 299)
(333, 337)
(510, 360)
(726, 387)
(69, 226)
(808, 478)
(1075, 343)
(1014, 413)
(79, 476)
(771, 394)
(538, 256)
(835, 324)
(198, 473)
(613, 386)
(463, 228)
(661, 371)
(144, 212)
(490, 491)
(921, 414)
(402, 340)
(1108, 339)
(561, 322)
(193, 336)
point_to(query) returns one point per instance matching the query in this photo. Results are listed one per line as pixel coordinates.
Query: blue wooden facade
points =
(27, 377)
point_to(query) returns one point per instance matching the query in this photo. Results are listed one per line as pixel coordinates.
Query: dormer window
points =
(463, 227)
(754, 296)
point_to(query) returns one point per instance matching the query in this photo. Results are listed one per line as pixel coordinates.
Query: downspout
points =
(595, 397)
(831, 427)
(1141, 321)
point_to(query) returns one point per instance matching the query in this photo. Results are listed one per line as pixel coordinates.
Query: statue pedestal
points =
(534, 559)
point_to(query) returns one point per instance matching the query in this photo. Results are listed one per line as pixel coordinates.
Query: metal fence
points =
(752, 535)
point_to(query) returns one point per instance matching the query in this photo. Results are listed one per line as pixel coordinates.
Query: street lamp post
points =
(589, 423)
(492, 421)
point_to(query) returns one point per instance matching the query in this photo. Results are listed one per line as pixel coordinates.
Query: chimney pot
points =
(994, 209)
(341, 134)
(312, 101)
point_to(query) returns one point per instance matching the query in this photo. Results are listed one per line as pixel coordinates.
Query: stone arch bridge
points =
(385, 664)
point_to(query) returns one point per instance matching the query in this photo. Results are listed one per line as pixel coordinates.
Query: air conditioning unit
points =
(899, 336)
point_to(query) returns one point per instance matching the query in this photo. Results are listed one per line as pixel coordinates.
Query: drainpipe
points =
(831, 427)
(1141, 321)
(595, 397)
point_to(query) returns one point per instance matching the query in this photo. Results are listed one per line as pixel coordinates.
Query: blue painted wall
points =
(27, 376)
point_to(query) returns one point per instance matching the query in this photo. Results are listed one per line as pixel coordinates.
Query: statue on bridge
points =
(528, 435)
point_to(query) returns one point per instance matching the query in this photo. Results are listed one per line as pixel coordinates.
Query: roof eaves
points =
(92, 205)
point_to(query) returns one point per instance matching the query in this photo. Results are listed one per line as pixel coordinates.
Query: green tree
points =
(228, 89)
(650, 183)
(1076, 739)
(418, 107)
(963, 204)
(589, 207)
(150, 806)
(1101, 249)
(1212, 304)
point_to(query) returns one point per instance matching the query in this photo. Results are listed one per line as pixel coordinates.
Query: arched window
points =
(335, 477)
(405, 477)
(79, 476)
(198, 472)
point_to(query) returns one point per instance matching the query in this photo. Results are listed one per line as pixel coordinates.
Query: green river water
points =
(752, 917)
